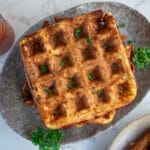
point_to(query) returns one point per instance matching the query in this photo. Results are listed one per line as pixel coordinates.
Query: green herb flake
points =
(100, 93)
(43, 69)
(62, 63)
(89, 41)
(57, 113)
(71, 78)
(48, 90)
(38, 96)
(77, 33)
(115, 67)
(129, 42)
(141, 57)
(71, 85)
(47, 139)
(21, 99)
(90, 77)
(122, 25)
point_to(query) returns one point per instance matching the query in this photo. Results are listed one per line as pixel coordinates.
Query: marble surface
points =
(22, 14)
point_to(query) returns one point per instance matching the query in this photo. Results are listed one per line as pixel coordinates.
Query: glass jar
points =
(6, 35)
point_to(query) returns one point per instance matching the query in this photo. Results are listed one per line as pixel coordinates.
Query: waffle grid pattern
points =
(77, 77)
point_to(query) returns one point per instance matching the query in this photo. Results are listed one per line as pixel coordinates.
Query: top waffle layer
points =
(78, 69)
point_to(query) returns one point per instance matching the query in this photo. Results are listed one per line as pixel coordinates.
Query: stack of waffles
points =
(78, 70)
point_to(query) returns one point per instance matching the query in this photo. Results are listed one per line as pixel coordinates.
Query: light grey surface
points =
(23, 14)
(131, 133)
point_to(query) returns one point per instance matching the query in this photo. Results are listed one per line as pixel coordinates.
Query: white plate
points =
(130, 133)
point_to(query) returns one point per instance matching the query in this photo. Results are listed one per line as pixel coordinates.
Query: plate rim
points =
(130, 124)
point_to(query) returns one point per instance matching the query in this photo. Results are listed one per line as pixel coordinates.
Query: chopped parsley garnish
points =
(39, 96)
(100, 93)
(71, 78)
(57, 113)
(129, 42)
(122, 25)
(90, 77)
(115, 67)
(71, 85)
(141, 57)
(89, 41)
(48, 90)
(43, 69)
(77, 33)
(20, 99)
(47, 139)
(62, 63)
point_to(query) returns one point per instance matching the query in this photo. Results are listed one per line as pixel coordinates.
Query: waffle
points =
(78, 69)
(28, 100)
(105, 119)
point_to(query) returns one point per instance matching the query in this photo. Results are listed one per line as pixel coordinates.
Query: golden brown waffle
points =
(27, 98)
(86, 76)
(105, 119)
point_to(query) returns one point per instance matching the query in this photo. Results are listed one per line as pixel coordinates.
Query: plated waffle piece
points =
(105, 119)
(28, 100)
(27, 97)
(78, 69)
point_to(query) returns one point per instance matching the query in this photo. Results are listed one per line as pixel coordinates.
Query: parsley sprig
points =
(141, 57)
(47, 139)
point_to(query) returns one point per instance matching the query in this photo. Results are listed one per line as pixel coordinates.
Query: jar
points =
(6, 35)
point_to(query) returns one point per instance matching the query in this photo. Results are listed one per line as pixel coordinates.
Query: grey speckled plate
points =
(24, 119)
